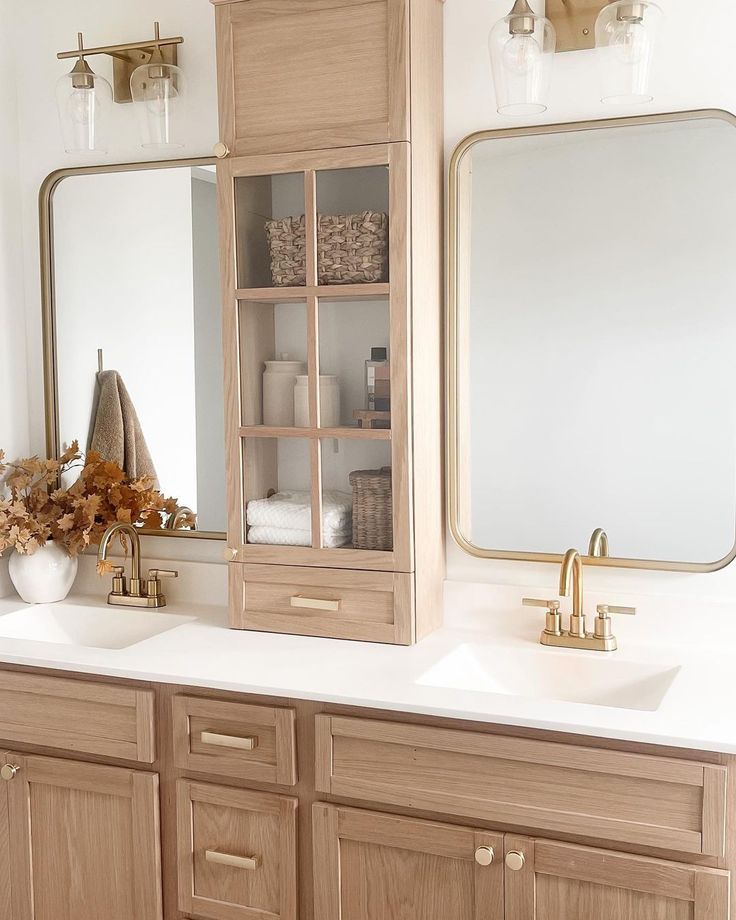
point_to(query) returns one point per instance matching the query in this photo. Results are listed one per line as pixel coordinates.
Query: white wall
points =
(691, 72)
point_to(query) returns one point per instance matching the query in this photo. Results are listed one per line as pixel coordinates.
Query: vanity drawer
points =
(236, 853)
(368, 606)
(77, 715)
(235, 739)
(607, 795)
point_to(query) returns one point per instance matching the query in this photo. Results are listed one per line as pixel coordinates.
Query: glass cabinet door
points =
(319, 352)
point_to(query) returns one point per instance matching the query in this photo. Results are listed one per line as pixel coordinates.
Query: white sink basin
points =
(593, 678)
(91, 627)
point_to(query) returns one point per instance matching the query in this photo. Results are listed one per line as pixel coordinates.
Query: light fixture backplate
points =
(125, 62)
(574, 22)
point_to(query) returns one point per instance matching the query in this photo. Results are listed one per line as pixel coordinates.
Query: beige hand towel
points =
(116, 432)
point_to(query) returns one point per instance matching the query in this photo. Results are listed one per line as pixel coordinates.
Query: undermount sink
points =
(543, 674)
(90, 627)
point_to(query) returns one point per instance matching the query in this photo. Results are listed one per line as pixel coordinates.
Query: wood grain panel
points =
(77, 715)
(568, 789)
(240, 824)
(272, 758)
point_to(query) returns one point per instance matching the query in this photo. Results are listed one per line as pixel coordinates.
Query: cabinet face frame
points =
(707, 890)
(143, 857)
(365, 129)
(333, 824)
(397, 158)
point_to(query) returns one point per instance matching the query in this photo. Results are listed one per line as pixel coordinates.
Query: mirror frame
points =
(48, 303)
(451, 357)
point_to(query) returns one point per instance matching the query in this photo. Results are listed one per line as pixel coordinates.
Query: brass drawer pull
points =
(235, 862)
(515, 860)
(314, 603)
(484, 856)
(229, 741)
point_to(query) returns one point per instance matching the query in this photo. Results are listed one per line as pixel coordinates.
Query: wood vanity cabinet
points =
(333, 108)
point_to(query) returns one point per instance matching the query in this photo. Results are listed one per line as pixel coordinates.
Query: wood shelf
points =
(346, 433)
(321, 291)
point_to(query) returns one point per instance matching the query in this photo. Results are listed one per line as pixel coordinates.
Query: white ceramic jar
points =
(278, 392)
(329, 401)
(45, 576)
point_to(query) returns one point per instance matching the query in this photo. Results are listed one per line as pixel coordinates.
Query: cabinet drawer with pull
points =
(235, 739)
(369, 606)
(641, 799)
(236, 853)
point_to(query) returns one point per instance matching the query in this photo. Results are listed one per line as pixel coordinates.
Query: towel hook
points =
(100, 363)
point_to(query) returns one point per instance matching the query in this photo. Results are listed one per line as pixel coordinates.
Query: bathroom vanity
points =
(385, 786)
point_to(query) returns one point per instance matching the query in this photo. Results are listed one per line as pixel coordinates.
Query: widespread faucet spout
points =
(571, 579)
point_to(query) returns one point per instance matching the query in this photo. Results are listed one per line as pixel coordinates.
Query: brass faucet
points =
(148, 594)
(576, 636)
(598, 545)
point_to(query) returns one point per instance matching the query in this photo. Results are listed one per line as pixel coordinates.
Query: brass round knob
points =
(515, 860)
(8, 771)
(484, 856)
(221, 150)
(230, 554)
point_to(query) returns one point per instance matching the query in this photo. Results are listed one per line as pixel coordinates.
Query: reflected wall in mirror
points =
(592, 332)
(132, 288)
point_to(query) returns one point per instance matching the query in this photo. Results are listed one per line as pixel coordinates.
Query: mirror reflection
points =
(595, 329)
(138, 351)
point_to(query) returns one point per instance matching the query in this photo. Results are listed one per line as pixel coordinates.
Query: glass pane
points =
(354, 359)
(273, 355)
(352, 231)
(277, 479)
(356, 494)
(270, 231)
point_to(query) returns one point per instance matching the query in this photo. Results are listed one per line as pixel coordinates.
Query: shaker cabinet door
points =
(79, 841)
(305, 75)
(370, 866)
(560, 881)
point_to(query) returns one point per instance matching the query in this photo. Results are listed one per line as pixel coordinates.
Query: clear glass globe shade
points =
(630, 42)
(521, 54)
(84, 102)
(158, 91)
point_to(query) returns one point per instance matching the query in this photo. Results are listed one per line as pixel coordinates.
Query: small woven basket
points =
(351, 249)
(372, 509)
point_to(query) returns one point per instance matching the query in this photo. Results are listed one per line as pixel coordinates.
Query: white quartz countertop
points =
(485, 665)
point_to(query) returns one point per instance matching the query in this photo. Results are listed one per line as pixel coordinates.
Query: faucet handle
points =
(553, 625)
(153, 585)
(155, 574)
(118, 580)
(605, 609)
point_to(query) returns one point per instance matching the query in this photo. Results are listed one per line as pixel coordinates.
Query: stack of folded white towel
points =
(285, 519)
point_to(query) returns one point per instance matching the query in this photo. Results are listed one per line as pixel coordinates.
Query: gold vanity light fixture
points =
(522, 47)
(144, 72)
(625, 36)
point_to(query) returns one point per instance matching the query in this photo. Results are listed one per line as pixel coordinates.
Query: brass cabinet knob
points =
(484, 856)
(8, 771)
(230, 554)
(221, 150)
(515, 860)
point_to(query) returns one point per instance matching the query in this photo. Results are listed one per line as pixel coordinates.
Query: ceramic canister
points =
(278, 392)
(329, 401)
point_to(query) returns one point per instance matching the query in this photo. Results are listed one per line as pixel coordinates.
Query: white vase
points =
(44, 577)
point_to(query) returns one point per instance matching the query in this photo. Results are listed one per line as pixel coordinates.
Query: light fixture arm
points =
(127, 56)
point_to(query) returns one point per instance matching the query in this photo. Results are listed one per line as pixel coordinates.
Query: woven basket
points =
(351, 249)
(372, 509)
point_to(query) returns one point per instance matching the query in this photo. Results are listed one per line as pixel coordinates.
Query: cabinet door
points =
(299, 75)
(83, 841)
(560, 881)
(370, 866)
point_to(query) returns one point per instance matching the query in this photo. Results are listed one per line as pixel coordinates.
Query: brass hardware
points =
(235, 862)
(180, 513)
(314, 603)
(484, 856)
(126, 57)
(558, 11)
(229, 741)
(8, 771)
(598, 545)
(553, 625)
(572, 573)
(230, 554)
(48, 305)
(139, 594)
(221, 150)
(574, 22)
(521, 19)
(515, 860)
